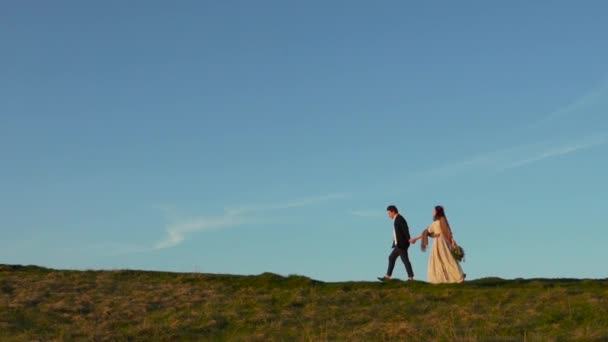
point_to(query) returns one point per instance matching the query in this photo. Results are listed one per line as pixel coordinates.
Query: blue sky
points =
(246, 137)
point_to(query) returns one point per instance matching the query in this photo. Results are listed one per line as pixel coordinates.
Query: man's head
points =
(392, 211)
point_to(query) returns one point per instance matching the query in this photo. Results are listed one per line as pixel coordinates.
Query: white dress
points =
(443, 268)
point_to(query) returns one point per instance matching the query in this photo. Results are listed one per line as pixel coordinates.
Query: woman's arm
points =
(425, 231)
(413, 240)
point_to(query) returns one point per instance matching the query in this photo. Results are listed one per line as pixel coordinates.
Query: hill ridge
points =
(38, 303)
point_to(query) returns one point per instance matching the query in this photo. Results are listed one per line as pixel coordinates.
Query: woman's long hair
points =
(446, 231)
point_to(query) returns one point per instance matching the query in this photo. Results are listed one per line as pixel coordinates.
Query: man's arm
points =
(402, 227)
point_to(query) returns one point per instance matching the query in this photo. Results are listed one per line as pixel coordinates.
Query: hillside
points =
(44, 304)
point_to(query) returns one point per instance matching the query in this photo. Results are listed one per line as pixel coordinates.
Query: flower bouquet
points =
(458, 253)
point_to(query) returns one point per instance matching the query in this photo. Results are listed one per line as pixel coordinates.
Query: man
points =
(401, 242)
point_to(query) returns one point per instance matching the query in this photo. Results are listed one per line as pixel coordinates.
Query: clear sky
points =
(269, 136)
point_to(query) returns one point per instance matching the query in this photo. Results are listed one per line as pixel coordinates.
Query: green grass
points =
(54, 305)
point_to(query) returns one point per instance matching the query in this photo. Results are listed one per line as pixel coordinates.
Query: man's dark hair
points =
(392, 208)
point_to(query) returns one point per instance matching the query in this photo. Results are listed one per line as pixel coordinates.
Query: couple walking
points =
(443, 268)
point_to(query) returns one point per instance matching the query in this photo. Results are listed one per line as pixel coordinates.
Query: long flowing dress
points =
(443, 268)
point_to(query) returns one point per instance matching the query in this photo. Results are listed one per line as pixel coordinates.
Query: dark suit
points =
(402, 234)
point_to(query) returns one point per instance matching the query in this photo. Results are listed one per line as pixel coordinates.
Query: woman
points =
(443, 268)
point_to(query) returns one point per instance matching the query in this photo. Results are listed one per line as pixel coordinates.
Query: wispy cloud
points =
(178, 229)
(558, 151)
(579, 105)
(302, 202)
(518, 156)
(589, 104)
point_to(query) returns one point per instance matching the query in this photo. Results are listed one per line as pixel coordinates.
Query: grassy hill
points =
(45, 305)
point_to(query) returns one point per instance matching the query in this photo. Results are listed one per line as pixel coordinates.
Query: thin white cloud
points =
(516, 157)
(578, 106)
(178, 230)
(302, 202)
(558, 151)
(486, 161)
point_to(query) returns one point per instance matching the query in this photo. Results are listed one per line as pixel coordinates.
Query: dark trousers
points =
(404, 257)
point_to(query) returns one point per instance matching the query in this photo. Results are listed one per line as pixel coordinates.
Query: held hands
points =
(413, 241)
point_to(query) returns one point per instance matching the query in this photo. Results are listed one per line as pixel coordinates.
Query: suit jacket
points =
(402, 232)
